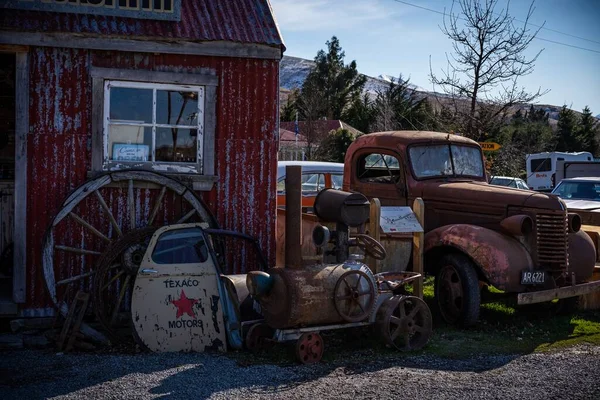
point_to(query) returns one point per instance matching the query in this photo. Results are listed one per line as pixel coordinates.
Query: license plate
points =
(532, 277)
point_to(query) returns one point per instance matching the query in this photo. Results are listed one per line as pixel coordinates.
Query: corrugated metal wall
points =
(59, 145)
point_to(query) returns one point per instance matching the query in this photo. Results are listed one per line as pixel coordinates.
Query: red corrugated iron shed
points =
(243, 21)
(237, 41)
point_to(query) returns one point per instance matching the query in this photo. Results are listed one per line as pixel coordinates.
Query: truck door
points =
(379, 173)
(176, 303)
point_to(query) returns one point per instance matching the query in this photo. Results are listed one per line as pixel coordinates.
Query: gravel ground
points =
(572, 373)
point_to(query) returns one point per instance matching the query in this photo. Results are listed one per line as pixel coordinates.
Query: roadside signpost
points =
(490, 146)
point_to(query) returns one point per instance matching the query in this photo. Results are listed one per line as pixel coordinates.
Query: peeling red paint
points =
(59, 148)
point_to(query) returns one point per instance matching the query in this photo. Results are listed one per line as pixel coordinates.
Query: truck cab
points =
(516, 240)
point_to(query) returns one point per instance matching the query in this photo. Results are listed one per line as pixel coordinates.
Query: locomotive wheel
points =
(259, 337)
(404, 322)
(457, 290)
(354, 295)
(371, 246)
(309, 348)
(97, 215)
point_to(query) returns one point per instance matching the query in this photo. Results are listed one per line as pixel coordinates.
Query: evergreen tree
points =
(334, 146)
(289, 110)
(587, 132)
(360, 114)
(566, 135)
(338, 84)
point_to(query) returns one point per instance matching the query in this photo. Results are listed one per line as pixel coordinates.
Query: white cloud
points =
(315, 15)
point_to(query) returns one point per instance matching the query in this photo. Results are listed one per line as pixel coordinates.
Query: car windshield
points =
(578, 190)
(446, 160)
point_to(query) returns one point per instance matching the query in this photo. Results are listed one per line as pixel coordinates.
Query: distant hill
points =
(293, 71)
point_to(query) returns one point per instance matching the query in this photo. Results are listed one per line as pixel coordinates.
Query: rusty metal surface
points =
(499, 257)
(59, 149)
(478, 211)
(582, 256)
(404, 322)
(246, 21)
(293, 220)
(306, 297)
(309, 348)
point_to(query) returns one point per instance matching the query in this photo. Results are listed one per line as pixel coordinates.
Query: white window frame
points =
(201, 174)
(184, 167)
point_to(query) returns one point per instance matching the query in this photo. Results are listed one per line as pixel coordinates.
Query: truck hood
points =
(588, 205)
(468, 192)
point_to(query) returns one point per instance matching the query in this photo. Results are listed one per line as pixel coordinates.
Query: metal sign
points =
(399, 220)
(490, 146)
(142, 9)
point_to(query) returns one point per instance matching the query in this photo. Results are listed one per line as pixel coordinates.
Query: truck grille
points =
(552, 241)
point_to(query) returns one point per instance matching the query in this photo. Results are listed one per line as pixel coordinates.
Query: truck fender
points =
(499, 258)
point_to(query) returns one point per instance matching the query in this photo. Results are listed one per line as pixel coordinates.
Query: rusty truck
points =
(476, 234)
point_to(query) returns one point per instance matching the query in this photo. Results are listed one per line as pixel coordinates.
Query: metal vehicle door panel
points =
(177, 300)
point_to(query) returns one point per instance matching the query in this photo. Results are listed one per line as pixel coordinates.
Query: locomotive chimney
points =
(293, 216)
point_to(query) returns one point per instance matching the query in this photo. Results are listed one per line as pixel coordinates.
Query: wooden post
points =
(374, 232)
(418, 241)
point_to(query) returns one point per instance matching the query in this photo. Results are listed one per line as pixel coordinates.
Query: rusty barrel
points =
(306, 297)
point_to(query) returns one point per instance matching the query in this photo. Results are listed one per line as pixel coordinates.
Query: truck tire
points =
(457, 292)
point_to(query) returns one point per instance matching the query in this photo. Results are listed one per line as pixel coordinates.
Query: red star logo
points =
(184, 305)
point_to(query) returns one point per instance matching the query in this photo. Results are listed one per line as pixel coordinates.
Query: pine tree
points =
(566, 135)
(587, 132)
(337, 83)
(360, 114)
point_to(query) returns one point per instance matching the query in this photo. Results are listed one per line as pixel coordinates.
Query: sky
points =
(391, 37)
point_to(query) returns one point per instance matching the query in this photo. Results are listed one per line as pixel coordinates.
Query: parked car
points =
(316, 176)
(509, 181)
(579, 193)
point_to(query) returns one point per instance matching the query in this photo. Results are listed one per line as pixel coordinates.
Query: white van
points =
(541, 167)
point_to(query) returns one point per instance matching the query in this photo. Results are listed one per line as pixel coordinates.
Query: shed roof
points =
(242, 21)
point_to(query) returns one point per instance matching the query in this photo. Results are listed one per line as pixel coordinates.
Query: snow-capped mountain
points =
(293, 71)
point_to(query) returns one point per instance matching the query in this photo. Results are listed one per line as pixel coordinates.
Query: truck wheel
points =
(457, 290)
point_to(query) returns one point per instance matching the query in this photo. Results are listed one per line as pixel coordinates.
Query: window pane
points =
(129, 143)
(128, 104)
(468, 161)
(378, 168)
(176, 108)
(312, 182)
(337, 181)
(541, 165)
(181, 246)
(176, 144)
(430, 160)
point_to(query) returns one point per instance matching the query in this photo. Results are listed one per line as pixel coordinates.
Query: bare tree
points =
(488, 58)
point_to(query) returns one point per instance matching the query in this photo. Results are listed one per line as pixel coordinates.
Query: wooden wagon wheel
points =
(102, 212)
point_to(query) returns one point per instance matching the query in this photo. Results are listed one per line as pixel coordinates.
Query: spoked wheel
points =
(115, 273)
(354, 295)
(309, 348)
(96, 216)
(404, 322)
(457, 290)
(259, 337)
(371, 246)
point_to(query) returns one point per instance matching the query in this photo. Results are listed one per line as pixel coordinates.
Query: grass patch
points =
(503, 329)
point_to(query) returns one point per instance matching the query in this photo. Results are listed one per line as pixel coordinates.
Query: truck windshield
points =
(446, 160)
